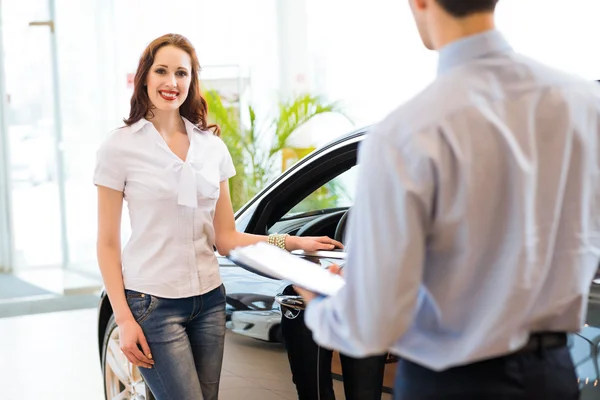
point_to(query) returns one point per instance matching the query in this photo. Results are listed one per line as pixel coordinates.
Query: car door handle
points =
(291, 301)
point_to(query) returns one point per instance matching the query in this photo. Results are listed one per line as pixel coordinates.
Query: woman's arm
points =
(110, 207)
(228, 238)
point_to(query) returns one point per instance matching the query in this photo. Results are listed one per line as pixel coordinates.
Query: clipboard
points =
(336, 255)
(272, 262)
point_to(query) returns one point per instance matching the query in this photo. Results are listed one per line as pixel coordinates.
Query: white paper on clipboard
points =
(275, 262)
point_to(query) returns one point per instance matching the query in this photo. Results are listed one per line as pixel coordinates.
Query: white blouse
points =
(171, 207)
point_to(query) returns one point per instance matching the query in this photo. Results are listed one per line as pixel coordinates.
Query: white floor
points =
(50, 356)
(55, 356)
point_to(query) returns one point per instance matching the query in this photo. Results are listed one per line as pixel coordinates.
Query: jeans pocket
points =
(140, 304)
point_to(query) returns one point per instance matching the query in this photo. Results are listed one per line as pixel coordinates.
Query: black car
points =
(310, 199)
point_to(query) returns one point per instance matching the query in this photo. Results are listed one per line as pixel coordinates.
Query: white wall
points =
(564, 34)
(224, 32)
(369, 55)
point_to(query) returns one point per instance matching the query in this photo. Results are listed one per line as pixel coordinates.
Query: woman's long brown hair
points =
(194, 108)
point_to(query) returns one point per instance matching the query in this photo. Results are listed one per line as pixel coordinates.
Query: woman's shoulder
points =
(113, 138)
(121, 135)
(208, 136)
(116, 140)
(125, 131)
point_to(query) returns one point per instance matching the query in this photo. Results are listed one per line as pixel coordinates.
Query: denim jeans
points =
(186, 337)
(311, 365)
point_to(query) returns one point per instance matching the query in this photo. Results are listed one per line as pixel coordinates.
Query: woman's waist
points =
(176, 238)
(184, 254)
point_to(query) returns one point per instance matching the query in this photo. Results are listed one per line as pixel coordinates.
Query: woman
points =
(172, 168)
(311, 364)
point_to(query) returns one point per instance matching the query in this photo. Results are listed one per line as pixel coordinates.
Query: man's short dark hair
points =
(463, 8)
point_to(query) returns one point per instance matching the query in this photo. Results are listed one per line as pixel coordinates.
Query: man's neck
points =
(452, 30)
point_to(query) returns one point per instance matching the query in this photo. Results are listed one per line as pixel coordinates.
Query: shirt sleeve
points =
(109, 171)
(226, 168)
(387, 229)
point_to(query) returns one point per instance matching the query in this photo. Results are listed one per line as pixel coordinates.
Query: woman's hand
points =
(131, 335)
(311, 243)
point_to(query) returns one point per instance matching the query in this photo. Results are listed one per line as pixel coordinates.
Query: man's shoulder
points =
(481, 85)
(547, 76)
(425, 110)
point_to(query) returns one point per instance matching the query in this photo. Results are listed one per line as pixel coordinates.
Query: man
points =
(477, 214)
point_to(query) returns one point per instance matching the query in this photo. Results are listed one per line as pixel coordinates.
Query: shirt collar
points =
(136, 127)
(471, 48)
(189, 127)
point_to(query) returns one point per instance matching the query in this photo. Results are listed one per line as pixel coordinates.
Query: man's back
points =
(514, 233)
(475, 225)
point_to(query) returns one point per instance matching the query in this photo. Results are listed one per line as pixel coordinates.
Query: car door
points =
(251, 309)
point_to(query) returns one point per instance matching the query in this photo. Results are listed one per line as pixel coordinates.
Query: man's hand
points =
(309, 296)
(336, 269)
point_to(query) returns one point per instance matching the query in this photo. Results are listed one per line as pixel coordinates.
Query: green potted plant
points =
(255, 150)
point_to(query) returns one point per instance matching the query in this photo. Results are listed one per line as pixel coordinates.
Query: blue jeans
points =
(186, 337)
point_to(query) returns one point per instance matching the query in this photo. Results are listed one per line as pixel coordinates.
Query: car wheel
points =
(122, 380)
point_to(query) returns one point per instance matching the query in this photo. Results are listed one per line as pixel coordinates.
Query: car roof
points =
(357, 133)
(347, 136)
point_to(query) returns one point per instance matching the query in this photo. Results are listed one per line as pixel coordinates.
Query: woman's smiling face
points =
(169, 78)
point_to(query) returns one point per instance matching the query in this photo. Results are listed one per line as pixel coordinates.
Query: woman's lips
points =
(169, 96)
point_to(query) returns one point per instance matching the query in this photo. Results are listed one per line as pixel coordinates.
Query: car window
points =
(337, 193)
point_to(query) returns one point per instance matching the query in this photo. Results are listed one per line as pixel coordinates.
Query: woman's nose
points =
(171, 81)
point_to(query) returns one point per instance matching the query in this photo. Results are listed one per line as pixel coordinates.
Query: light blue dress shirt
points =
(477, 214)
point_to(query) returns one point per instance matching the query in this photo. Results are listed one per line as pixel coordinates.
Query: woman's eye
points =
(181, 73)
(160, 71)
